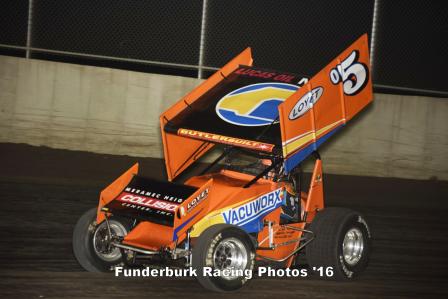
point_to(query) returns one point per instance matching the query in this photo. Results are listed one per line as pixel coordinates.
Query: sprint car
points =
(247, 206)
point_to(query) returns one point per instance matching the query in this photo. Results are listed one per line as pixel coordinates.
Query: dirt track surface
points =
(44, 191)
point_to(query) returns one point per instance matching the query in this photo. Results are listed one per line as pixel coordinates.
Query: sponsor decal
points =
(226, 140)
(146, 202)
(259, 73)
(253, 209)
(192, 204)
(353, 74)
(254, 105)
(154, 195)
(256, 73)
(306, 102)
(284, 233)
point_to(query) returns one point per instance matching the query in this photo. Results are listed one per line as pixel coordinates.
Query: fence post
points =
(29, 29)
(202, 39)
(373, 35)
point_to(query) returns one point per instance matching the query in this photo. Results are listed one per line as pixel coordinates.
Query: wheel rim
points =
(102, 243)
(230, 254)
(353, 246)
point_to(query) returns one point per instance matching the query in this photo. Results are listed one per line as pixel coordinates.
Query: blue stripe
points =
(256, 225)
(183, 225)
(301, 155)
(257, 216)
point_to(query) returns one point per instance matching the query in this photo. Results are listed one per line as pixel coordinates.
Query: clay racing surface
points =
(44, 191)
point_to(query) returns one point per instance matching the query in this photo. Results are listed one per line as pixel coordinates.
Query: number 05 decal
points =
(352, 73)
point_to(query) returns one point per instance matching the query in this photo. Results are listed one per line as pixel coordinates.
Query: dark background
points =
(409, 53)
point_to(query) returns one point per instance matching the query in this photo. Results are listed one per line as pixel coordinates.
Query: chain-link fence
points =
(195, 37)
(300, 36)
(14, 27)
(411, 48)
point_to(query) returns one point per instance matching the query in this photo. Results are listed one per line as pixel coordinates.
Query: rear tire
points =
(90, 242)
(223, 247)
(342, 244)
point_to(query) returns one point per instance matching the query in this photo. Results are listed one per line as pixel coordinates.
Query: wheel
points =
(219, 249)
(91, 242)
(342, 244)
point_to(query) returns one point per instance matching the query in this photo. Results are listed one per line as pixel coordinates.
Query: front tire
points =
(342, 243)
(91, 244)
(223, 247)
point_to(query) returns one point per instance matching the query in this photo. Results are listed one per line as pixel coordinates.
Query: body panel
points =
(113, 190)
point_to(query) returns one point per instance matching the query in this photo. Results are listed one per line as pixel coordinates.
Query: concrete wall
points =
(114, 111)
(84, 108)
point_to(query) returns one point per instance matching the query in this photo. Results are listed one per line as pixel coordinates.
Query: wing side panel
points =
(332, 97)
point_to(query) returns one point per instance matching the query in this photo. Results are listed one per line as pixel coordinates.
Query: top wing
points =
(238, 109)
(261, 109)
(180, 152)
(323, 105)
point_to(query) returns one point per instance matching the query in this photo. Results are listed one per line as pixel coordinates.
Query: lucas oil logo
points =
(253, 209)
(254, 105)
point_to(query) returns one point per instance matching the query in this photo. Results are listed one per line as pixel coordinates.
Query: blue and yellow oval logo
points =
(254, 105)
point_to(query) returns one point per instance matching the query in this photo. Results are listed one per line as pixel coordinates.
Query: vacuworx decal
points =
(253, 209)
(306, 102)
(352, 73)
(254, 105)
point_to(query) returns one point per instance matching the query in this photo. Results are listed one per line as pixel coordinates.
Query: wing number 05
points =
(352, 73)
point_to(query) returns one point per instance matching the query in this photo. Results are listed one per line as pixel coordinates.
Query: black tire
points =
(83, 242)
(330, 227)
(209, 244)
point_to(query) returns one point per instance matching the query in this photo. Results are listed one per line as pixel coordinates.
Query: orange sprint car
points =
(246, 208)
